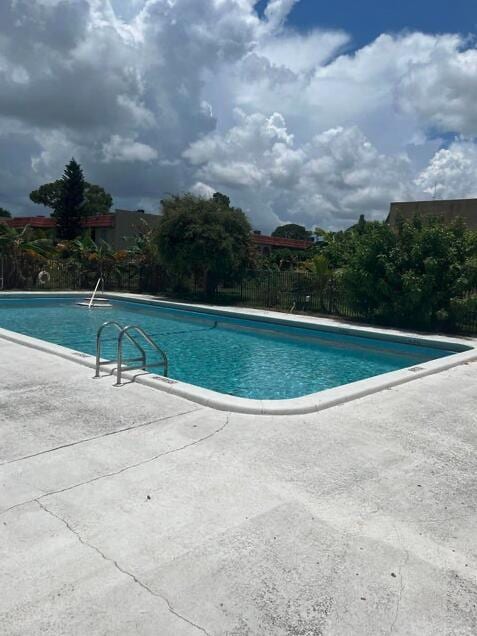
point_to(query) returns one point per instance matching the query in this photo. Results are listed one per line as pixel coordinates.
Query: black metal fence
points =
(61, 276)
(464, 312)
(291, 291)
(301, 292)
(305, 292)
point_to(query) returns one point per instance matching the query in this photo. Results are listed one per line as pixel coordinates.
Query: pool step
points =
(97, 302)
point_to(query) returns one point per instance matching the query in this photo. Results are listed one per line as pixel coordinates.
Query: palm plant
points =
(21, 248)
(321, 275)
(89, 256)
(144, 249)
(84, 251)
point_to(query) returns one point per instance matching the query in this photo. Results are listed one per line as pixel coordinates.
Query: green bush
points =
(407, 276)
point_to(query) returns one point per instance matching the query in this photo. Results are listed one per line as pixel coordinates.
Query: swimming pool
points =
(241, 356)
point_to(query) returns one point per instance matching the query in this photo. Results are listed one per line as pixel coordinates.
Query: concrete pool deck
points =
(132, 511)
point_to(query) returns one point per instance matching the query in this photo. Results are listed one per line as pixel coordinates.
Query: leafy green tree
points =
(221, 200)
(71, 198)
(5, 213)
(292, 231)
(363, 260)
(48, 194)
(206, 239)
(409, 276)
(68, 210)
(339, 247)
(318, 265)
(96, 199)
(322, 235)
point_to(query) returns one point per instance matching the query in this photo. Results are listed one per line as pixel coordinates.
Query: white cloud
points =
(452, 172)
(442, 87)
(303, 52)
(332, 178)
(202, 190)
(277, 11)
(155, 96)
(126, 149)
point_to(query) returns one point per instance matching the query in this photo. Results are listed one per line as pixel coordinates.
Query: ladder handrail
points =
(98, 344)
(125, 332)
(95, 290)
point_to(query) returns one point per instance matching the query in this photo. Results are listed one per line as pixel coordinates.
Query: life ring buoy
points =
(44, 277)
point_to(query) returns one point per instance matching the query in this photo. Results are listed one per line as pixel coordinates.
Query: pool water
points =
(241, 357)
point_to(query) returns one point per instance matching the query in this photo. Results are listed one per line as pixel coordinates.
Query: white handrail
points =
(91, 300)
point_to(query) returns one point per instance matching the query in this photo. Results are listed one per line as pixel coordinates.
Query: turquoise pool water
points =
(246, 358)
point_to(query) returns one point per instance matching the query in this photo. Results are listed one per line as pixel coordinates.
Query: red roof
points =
(275, 241)
(47, 222)
(102, 220)
(33, 221)
(107, 220)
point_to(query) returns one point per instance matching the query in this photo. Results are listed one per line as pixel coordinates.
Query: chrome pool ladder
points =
(128, 365)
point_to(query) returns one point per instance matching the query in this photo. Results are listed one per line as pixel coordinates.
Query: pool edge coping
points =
(294, 406)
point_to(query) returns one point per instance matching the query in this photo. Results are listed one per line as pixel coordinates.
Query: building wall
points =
(466, 209)
(127, 225)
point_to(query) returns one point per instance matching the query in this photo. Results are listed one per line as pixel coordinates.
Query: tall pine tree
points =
(68, 211)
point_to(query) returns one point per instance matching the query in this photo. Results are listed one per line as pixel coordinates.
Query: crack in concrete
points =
(95, 437)
(132, 576)
(401, 582)
(124, 469)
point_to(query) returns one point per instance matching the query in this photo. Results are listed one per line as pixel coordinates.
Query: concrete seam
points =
(122, 470)
(95, 437)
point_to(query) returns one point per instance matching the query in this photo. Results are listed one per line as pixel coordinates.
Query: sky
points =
(301, 111)
(365, 20)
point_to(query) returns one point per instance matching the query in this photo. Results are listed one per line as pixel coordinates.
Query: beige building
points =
(465, 209)
(118, 228)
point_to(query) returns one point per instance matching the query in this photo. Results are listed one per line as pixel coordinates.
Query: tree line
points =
(413, 274)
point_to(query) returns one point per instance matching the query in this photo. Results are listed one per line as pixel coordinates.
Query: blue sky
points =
(367, 19)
